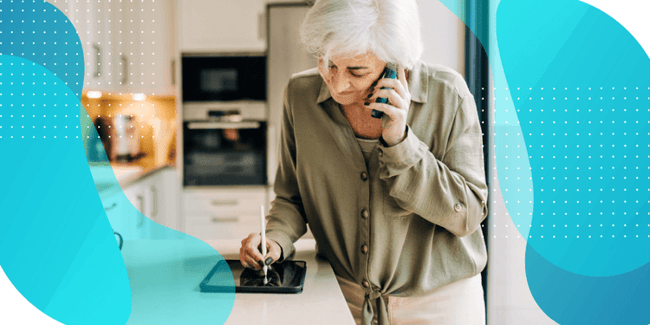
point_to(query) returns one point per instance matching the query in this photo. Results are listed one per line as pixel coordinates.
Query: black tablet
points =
(285, 277)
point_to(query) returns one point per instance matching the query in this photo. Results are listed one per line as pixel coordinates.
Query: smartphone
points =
(390, 71)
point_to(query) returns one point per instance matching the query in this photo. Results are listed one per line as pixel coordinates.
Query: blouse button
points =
(364, 176)
(458, 207)
(380, 152)
(364, 249)
(365, 284)
(365, 214)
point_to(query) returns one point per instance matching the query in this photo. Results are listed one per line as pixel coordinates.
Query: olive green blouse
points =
(406, 223)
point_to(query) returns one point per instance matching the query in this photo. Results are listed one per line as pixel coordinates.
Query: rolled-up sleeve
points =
(286, 222)
(451, 191)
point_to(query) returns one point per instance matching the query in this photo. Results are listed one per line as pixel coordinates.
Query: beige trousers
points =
(458, 303)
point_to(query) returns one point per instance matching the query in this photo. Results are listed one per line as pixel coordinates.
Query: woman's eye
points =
(357, 75)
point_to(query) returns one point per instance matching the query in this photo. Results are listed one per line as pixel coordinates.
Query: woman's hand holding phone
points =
(390, 72)
(395, 109)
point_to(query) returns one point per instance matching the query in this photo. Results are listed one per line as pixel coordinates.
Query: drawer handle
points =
(98, 60)
(111, 207)
(225, 219)
(225, 202)
(140, 211)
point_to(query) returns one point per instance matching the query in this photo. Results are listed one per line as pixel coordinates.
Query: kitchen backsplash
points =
(153, 120)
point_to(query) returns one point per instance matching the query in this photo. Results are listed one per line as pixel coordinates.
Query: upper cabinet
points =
(91, 19)
(145, 46)
(221, 26)
(129, 45)
(157, 47)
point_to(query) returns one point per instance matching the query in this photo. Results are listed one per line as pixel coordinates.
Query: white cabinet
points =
(125, 29)
(224, 213)
(129, 45)
(124, 216)
(157, 48)
(135, 223)
(114, 207)
(145, 36)
(91, 20)
(154, 197)
(222, 26)
(160, 191)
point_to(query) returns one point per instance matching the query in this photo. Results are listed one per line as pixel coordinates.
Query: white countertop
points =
(321, 301)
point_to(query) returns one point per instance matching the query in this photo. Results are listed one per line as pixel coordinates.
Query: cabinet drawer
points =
(222, 226)
(232, 202)
(113, 207)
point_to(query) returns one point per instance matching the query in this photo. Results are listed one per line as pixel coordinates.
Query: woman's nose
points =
(340, 83)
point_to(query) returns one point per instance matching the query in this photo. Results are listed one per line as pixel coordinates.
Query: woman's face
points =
(349, 78)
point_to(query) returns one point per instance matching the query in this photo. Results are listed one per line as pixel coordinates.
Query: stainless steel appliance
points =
(224, 143)
(224, 119)
(126, 140)
(224, 77)
(120, 139)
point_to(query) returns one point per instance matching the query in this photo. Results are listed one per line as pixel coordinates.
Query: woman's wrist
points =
(389, 144)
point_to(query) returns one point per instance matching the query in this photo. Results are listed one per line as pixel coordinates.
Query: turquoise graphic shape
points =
(57, 244)
(572, 299)
(571, 44)
(37, 31)
(580, 91)
(578, 99)
(58, 247)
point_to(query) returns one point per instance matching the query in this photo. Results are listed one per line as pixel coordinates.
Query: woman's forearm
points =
(451, 191)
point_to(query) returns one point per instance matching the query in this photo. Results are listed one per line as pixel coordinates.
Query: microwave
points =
(226, 77)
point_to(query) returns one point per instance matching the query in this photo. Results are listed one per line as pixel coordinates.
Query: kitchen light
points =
(94, 94)
(139, 96)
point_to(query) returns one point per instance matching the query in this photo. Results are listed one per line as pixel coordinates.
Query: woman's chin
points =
(343, 100)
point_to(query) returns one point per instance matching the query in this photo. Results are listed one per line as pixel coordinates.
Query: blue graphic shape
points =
(37, 31)
(580, 135)
(164, 266)
(57, 247)
(573, 299)
(566, 297)
(60, 253)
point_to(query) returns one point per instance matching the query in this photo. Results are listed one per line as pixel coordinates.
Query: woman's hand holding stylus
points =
(395, 112)
(250, 254)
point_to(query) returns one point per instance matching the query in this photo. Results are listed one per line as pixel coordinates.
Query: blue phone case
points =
(390, 71)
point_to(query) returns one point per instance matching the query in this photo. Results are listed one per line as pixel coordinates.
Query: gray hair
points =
(388, 28)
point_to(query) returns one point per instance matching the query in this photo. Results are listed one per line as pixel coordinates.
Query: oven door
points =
(224, 153)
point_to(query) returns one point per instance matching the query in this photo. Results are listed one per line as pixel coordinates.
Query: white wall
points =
(443, 35)
(509, 299)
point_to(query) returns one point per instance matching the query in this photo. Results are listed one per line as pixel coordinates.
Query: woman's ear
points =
(321, 67)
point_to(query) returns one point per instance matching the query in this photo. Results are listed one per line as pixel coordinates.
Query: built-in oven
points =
(224, 143)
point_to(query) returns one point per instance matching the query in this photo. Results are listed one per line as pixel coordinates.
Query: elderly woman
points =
(395, 203)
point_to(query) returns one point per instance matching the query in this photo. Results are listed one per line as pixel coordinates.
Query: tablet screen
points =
(287, 276)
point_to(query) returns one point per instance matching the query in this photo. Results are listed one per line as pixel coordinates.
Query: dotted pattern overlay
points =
(39, 32)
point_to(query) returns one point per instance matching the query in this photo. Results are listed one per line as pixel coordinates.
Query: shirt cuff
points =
(402, 156)
(283, 241)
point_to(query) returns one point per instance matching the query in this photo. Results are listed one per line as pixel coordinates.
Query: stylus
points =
(263, 239)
